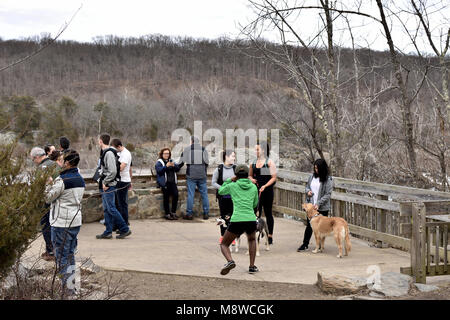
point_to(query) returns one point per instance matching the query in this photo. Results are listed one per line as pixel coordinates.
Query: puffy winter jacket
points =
(65, 196)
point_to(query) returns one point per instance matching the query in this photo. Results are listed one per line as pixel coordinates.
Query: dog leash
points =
(259, 199)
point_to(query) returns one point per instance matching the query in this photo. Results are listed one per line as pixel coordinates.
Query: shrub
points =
(131, 147)
(21, 205)
(151, 133)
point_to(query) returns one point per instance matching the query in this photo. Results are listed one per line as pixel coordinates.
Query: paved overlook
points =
(191, 248)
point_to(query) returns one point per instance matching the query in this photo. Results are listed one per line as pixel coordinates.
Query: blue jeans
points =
(122, 199)
(46, 232)
(112, 215)
(64, 242)
(203, 189)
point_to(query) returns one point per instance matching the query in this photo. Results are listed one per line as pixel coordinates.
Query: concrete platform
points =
(191, 248)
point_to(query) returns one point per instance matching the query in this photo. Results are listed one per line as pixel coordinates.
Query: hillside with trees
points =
(379, 116)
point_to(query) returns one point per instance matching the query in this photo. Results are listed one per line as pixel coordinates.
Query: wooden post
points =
(381, 220)
(445, 243)
(418, 243)
(437, 257)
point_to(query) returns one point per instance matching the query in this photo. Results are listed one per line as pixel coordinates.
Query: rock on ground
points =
(393, 284)
(425, 287)
(339, 285)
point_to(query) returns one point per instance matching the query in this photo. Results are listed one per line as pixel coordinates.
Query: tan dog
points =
(324, 226)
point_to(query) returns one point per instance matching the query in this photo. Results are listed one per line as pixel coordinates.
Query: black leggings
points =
(170, 189)
(265, 204)
(309, 231)
(226, 209)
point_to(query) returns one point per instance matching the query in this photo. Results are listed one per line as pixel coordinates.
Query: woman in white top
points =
(318, 191)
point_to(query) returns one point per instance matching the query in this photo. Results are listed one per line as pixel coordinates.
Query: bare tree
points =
(314, 75)
(435, 144)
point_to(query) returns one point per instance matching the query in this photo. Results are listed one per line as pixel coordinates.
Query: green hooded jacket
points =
(245, 198)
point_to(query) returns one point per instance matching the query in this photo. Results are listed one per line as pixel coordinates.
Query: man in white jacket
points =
(65, 195)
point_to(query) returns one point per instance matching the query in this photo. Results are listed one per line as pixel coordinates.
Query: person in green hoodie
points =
(245, 198)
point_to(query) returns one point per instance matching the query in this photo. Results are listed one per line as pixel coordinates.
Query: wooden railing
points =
(429, 225)
(141, 180)
(383, 214)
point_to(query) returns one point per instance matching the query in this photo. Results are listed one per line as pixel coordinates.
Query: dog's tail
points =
(348, 245)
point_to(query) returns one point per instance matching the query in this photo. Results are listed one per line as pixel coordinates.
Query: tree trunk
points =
(405, 106)
(336, 161)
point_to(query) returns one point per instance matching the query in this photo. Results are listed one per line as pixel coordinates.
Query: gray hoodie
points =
(324, 197)
(109, 170)
(196, 159)
(228, 172)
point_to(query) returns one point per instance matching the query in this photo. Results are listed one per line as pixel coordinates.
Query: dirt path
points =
(174, 287)
(154, 286)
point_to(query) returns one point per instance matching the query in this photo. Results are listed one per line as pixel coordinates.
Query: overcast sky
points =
(194, 18)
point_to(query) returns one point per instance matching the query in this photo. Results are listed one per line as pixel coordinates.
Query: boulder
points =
(340, 285)
(92, 209)
(393, 284)
(88, 266)
(150, 206)
(425, 287)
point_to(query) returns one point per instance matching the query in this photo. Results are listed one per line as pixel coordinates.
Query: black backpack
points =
(102, 162)
(220, 178)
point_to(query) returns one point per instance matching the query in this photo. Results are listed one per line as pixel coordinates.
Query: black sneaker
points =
(123, 235)
(226, 268)
(303, 247)
(205, 217)
(174, 216)
(168, 217)
(253, 269)
(270, 240)
(104, 236)
(188, 217)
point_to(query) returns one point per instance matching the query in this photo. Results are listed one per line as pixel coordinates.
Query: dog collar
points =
(317, 214)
